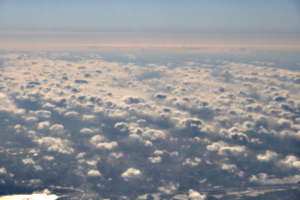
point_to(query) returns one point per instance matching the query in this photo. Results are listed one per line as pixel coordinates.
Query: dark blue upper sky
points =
(164, 15)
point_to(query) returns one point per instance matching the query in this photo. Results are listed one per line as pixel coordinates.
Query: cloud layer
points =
(124, 129)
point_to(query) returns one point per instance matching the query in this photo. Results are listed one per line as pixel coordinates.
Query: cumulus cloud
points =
(86, 131)
(268, 156)
(43, 125)
(94, 173)
(43, 113)
(55, 145)
(107, 145)
(154, 134)
(155, 159)
(131, 173)
(231, 151)
(3, 170)
(194, 195)
(290, 162)
(192, 162)
(57, 129)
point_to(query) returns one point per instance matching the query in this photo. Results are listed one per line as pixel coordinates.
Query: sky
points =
(166, 15)
(275, 22)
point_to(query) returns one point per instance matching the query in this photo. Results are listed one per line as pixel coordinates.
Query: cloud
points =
(3, 170)
(154, 134)
(107, 145)
(57, 129)
(28, 161)
(192, 162)
(131, 173)
(55, 145)
(194, 195)
(43, 125)
(155, 159)
(86, 131)
(151, 125)
(268, 156)
(231, 151)
(290, 162)
(94, 173)
(269, 180)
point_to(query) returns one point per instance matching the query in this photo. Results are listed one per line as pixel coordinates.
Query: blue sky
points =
(219, 24)
(165, 15)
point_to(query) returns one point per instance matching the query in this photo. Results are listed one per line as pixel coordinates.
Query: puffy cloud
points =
(72, 114)
(169, 187)
(192, 162)
(216, 146)
(232, 151)
(194, 195)
(55, 145)
(290, 162)
(154, 134)
(43, 113)
(228, 167)
(28, 161)
(3, 170)
(155, 159)
(31, 119)
(107, 145)
(89, 118)
(98, 139)
(57, 129)
(131, 173)
(121, 126)
(268, 156)
(43, 125)
(86, 131)
(94, 173)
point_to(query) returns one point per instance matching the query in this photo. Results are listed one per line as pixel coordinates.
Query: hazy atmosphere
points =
(150, 100)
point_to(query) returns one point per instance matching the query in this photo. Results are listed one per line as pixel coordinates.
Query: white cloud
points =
(154, 134)
(232, 151)
(94, 173)
(131, 173)
(155, 159)
(216, 146)
(43, 113)
(194, 195)
(55, 145)
(86, 131)
(290, 162)
(43, 125)
(192, 162)
(89, 118)
(3, 170)
(57, 129)
(98, 139)
(72, 114)
(107, 145)
(169, 187)
(268, 156)
(28, 161)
